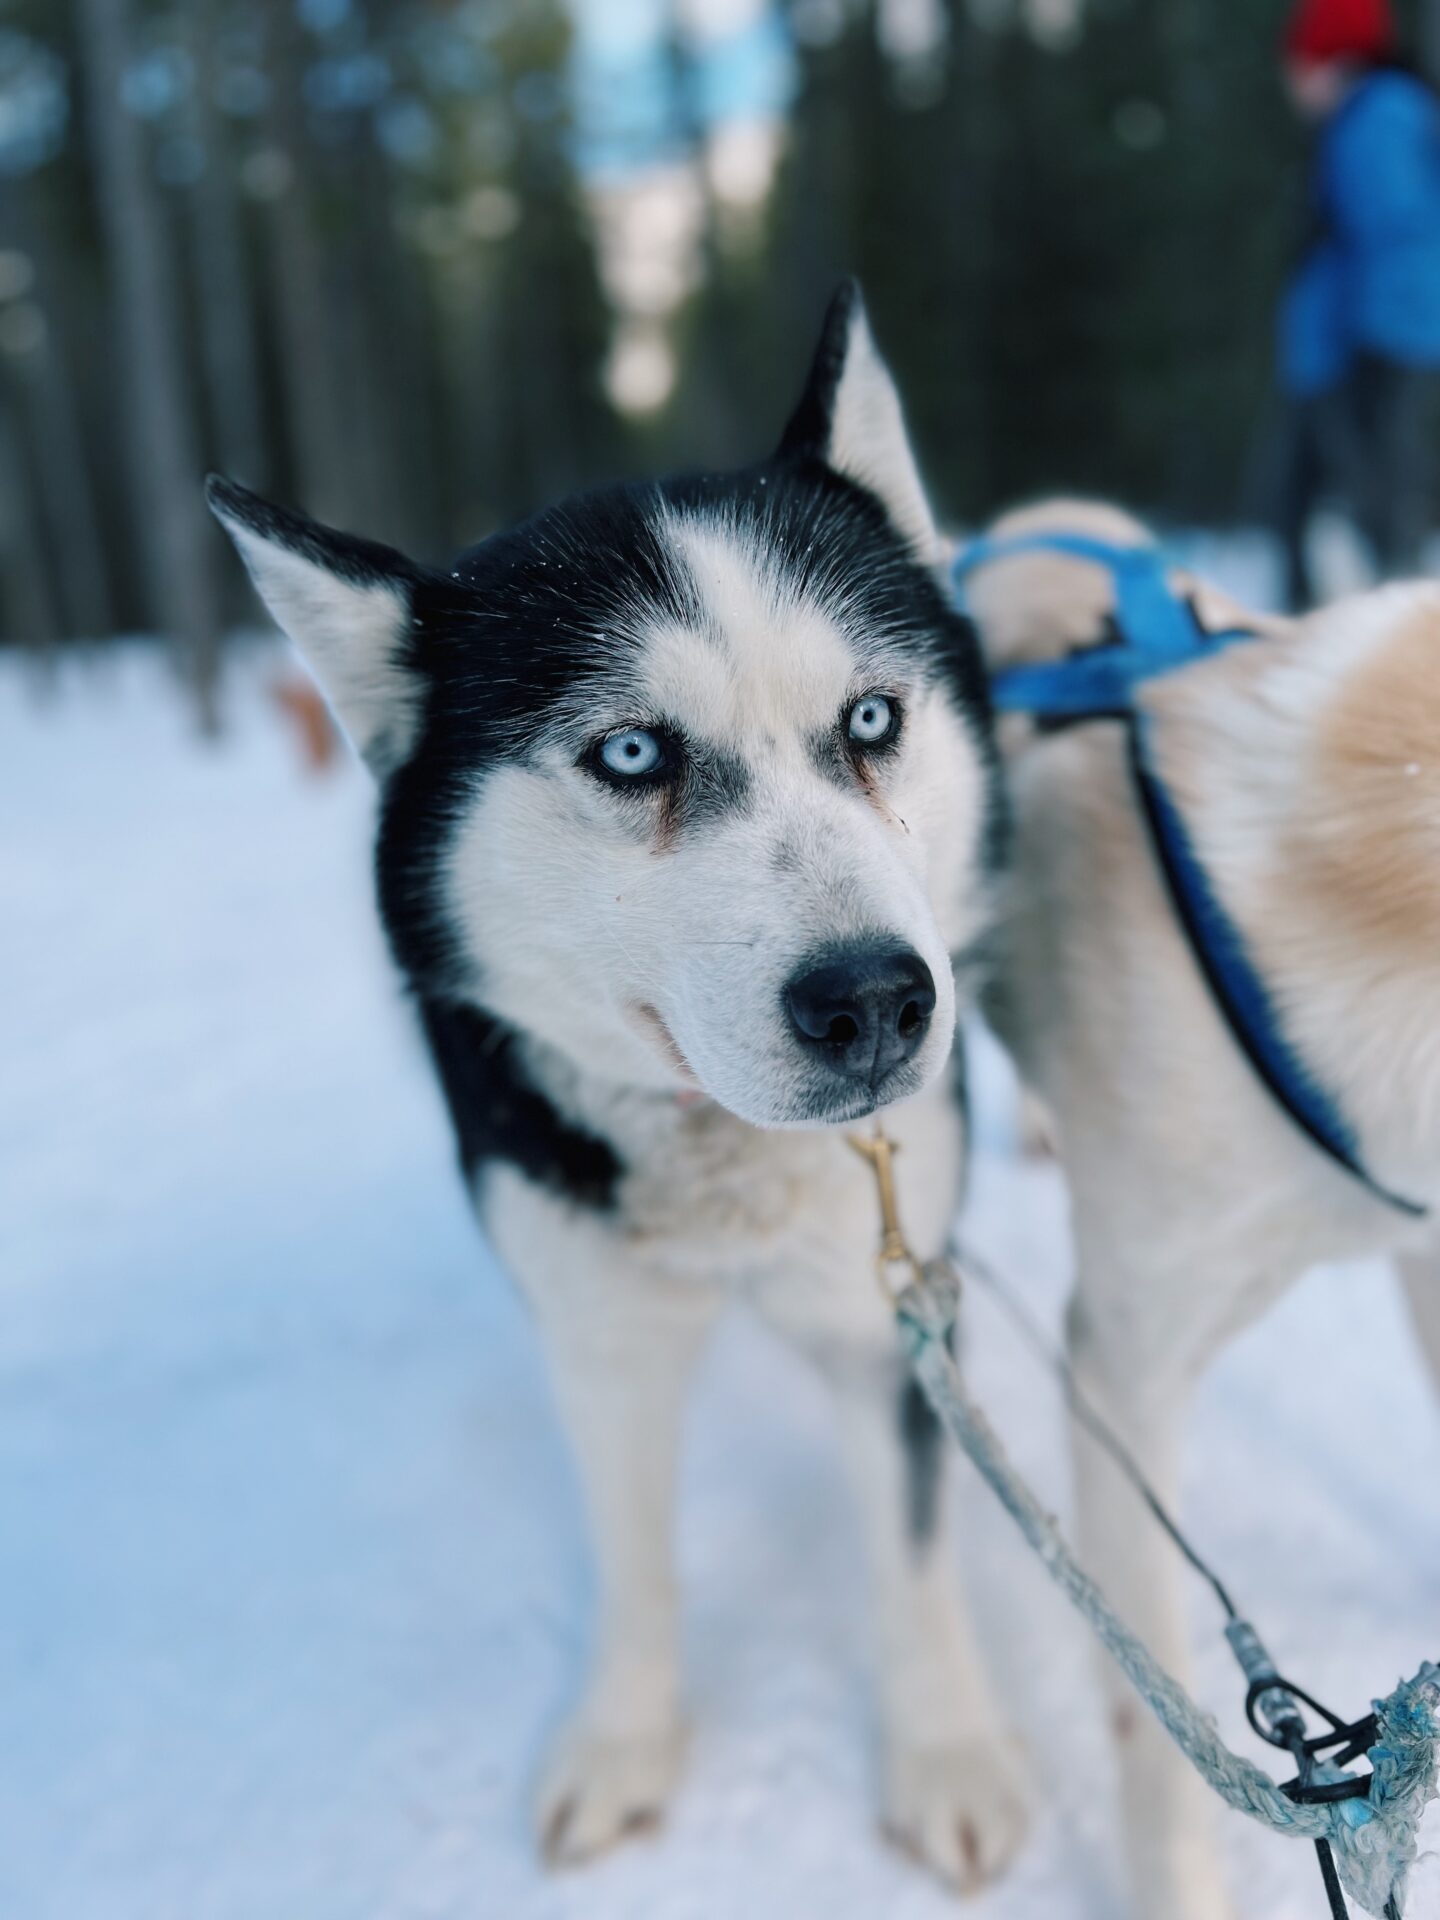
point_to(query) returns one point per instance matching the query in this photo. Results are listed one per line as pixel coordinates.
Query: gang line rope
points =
(1363, 1825)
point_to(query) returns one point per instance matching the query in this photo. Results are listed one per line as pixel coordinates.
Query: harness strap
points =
(1240, 994)
(1157, 633)
(1154, 631)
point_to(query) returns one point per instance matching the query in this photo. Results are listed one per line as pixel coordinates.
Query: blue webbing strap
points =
(1238, 989)
(1155, 634)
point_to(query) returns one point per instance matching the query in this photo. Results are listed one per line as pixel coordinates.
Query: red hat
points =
(1321, 30)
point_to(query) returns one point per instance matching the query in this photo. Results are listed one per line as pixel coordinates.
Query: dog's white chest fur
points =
(787, 1220)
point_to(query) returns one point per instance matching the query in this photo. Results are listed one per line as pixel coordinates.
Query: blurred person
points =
(1359, 341)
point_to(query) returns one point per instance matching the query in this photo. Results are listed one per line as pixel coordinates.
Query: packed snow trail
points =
(292, 1577)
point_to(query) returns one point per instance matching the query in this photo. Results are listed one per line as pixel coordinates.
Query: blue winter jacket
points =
(1371, 281)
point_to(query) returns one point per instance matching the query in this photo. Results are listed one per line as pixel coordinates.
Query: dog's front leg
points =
(1419, 1271)
(619, 1379)
(620, 1345)
(954, 1791)
(1168, 1820)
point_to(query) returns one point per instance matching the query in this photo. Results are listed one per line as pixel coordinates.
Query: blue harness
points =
(1156, 633)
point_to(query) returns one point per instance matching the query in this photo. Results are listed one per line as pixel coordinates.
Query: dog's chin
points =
(821, 1104)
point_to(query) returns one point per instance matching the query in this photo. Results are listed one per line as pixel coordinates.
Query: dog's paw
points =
(960, 1810)
(601, 1786)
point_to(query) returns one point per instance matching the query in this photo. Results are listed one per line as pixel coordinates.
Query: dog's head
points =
(691, 781)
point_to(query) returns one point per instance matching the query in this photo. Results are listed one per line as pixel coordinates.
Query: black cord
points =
(1338, 1908)
(1293, 1736)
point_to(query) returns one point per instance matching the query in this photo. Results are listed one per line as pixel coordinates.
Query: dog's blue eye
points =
(872, 720)
(633, 752)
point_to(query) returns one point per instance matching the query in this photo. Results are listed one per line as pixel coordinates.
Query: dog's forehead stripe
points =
(765, 652)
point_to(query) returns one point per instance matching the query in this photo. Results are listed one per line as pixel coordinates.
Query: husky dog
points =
(688, 819)
(1306, 767)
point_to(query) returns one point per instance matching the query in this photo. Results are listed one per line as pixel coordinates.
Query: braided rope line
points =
(1374, 1838)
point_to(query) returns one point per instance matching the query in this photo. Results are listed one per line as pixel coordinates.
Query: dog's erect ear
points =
(849, 416)
(346, 604)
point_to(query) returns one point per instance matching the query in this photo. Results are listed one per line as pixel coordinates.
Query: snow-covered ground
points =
(292, 1576)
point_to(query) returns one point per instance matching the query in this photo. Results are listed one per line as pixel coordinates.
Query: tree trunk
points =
(29, 597)
(1430, 39)
(310, 369)
(163, 450)
(226, 293)
(64, 511)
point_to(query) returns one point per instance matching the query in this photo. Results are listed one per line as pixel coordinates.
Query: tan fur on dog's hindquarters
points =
(1306, 767)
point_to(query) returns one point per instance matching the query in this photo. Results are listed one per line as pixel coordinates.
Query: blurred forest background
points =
(421, 265)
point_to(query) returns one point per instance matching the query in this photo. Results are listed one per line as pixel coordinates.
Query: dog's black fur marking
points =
(363, 563)
(716, 783)
(920, 1436)
(498, 1114)
(808, 429)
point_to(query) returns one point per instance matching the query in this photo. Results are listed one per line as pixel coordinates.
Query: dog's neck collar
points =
(1157, 633)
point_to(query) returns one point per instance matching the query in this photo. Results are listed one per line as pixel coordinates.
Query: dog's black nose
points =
(863, 1009)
